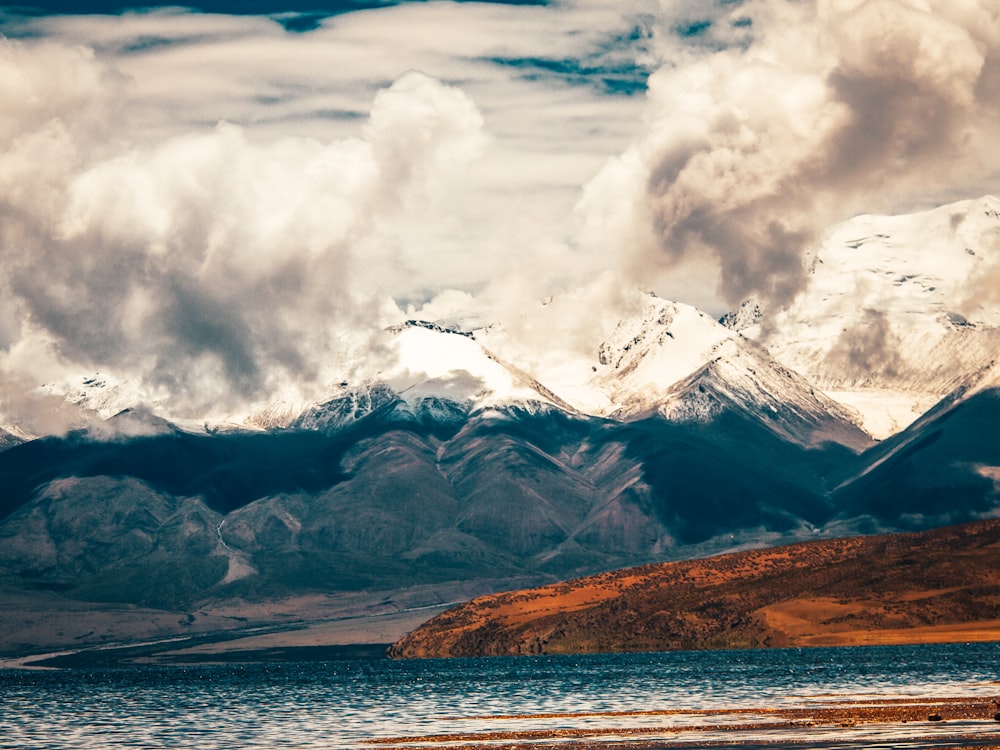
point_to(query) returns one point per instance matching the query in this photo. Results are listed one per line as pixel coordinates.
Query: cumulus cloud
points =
(774, 119)
(212, 266)
(214, 205)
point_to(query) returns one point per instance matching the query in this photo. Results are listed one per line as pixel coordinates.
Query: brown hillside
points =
(934, 586)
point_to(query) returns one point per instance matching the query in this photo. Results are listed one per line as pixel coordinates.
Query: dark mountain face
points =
(228, 471)
(732, 474)
(395, 498)
(945, 469)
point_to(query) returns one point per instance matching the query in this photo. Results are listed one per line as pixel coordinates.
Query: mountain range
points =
(871, 404)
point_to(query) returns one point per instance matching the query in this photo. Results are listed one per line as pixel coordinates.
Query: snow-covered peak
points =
(897, 310)
(440, 363)
(429, 373)
(922, 268)
(743, 377)
(648, 354)
(102, 393)
(747, 315)
(8, 439)
(348, 405)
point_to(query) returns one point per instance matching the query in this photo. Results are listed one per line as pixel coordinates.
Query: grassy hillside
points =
(934, 586)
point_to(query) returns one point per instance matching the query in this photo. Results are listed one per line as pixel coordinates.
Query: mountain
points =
(945, 468)
(392, 501)
(454, 464)
(172, 520)
(907, 588)
(462, 458)
(9, 439)
(897, 311)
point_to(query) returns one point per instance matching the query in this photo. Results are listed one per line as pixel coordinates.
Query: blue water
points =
(344, 703)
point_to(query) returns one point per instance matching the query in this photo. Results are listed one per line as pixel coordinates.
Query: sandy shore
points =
(955, 722)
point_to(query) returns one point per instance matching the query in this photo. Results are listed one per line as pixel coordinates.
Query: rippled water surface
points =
(346, 704)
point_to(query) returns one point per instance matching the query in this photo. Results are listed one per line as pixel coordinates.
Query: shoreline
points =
(967, 722)
(308, 642)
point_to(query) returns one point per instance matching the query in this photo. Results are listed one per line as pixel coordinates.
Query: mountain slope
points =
(936, 585)
(389, 501)
(945, 468)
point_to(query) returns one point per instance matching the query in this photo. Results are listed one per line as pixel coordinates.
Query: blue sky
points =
(297, 17)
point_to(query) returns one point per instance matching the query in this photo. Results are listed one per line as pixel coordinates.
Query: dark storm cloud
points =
(196, 323)
(122, 307)
(894, 127)
(768, 257)
(79, 298)
(805, 114)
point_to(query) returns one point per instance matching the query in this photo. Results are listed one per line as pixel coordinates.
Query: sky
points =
(227, 203)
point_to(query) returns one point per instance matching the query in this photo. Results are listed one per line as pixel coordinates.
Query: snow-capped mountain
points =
(743, 377)
(648, 354)
(463, 453)
(428, 371)
(438, 375)
(898, 311)
(657, 362)
(9, 439)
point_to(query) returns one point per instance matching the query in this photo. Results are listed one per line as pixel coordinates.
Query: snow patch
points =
(883, 413)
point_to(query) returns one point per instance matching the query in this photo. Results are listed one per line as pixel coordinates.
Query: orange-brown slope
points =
(933, 586)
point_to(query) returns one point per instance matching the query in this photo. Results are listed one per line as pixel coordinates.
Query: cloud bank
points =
(224, 213)
(776, 119)
(219, 266)
(221, 213)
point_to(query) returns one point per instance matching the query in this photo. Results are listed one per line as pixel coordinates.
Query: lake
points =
(670, 698)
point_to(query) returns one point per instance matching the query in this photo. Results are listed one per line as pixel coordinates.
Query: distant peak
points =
(748, 314)
(430, 326)
(637, 334)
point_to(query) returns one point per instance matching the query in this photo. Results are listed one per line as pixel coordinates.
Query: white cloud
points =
(224, 211)
(217, 267)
